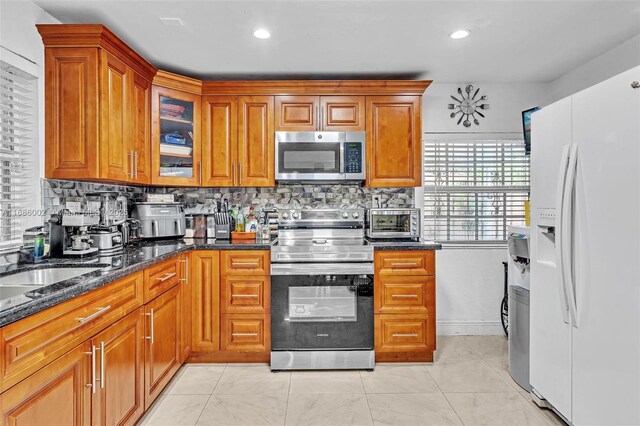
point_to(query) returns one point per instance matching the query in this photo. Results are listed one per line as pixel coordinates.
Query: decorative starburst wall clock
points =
(468, 106)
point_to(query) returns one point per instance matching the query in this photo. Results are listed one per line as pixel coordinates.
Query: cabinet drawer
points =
(246, 333)
(414, 262)
(403, 333)
(160, 278)
(244, 262)
(34, 342)
(404, 294)
(245, 294)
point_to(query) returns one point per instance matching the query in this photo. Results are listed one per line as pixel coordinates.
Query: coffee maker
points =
(107, 236)
(76, 239)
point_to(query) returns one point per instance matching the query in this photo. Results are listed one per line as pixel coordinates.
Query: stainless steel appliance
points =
(77, 242)
(106, 240)
(393, 223)
(320, 156)
(321, 291)
(159, 220)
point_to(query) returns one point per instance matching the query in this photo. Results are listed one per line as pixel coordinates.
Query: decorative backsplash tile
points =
(54, 193)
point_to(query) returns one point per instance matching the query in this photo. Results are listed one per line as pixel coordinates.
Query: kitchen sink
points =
(24, 281)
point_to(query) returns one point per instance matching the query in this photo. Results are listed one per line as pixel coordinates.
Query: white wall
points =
(613, 62)
(470, 280)
(20, 42)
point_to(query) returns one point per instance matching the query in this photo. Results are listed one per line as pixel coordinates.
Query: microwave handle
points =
(341, 158)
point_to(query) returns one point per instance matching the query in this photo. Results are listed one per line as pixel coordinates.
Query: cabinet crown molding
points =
(315, 87)
(98, 36)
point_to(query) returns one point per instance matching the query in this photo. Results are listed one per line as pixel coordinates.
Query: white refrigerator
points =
(585, 254)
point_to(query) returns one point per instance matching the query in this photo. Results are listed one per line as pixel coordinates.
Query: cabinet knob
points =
(635, 85)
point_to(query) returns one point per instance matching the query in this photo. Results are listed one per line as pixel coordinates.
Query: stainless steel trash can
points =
(519, 335)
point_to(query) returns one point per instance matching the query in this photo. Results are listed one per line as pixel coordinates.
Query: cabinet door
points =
(186, 302)
(219, 141)
(393, 141)
(162, 336)
(405, 262)
(119, 397)
(404, 333)
(256, 146)
(140, 147)
(344, 113)
(206, 304)
(71, 113)
(175, 137)
(245, 262)
(115, 120)
(59, 393)
(297, 113)
(404, 294)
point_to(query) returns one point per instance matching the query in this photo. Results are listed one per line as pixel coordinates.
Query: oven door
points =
(310, 156)
(321, 308)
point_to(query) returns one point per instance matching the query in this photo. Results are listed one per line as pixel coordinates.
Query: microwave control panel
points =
(353, 157)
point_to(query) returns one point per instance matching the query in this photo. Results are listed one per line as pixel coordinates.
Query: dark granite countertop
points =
(134, 258)
(379, 245)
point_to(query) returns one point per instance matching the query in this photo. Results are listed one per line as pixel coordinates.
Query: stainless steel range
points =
(321, 291)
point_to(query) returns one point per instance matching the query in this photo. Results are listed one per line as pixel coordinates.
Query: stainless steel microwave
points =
(320, 156)
(393, 223)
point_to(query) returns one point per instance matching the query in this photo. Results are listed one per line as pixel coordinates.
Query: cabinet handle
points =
(317, 118)
(93, 368)
(239, 173)
(233, 173)
(151, 322)
(102, 365)
(404, 265)
(186, 270)
(244, 334)
(200, 171)
(166, 277)
(250, 264)
(131, 173)
(135, 162)
(99, 312)
(405, 296)
(405, 335)
(244, 295)
(321, 118)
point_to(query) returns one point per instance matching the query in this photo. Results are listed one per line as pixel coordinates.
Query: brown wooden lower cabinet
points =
(205, 313)
(119, 394)
(186, 302)
(404, 338)
(57, 394)
(162, 349)
(245, 333)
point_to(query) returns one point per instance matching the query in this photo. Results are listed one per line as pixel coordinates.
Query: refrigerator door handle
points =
(567, 237)
(562, 177)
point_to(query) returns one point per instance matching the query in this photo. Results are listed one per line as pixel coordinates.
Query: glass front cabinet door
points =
(176, 137)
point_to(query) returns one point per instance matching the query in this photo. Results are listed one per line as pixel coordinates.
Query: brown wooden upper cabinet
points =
(319, 113)
(256, 141)
(393, 141)
(176, 137)
(238, 146)
(97, 106)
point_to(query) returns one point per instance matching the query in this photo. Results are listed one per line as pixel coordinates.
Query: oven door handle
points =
(333, 268)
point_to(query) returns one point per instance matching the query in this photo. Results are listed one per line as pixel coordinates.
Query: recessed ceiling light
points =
(172, 22)
(456, 35)
(262, 34)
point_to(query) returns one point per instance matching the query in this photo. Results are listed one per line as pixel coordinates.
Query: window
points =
(18, 116)
(474, 189)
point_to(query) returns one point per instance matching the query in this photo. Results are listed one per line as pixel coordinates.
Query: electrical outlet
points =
(376, 201)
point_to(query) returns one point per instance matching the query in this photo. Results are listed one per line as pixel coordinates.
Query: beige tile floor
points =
(467, 384)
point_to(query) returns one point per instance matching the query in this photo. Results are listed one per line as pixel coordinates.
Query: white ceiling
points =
(511, 41)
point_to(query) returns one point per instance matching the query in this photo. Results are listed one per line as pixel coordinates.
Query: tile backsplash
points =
(54, 193)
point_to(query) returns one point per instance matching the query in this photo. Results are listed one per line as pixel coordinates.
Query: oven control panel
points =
(353, 157)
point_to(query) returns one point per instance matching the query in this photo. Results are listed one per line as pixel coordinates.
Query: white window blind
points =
(18, 115)
(474, 189)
